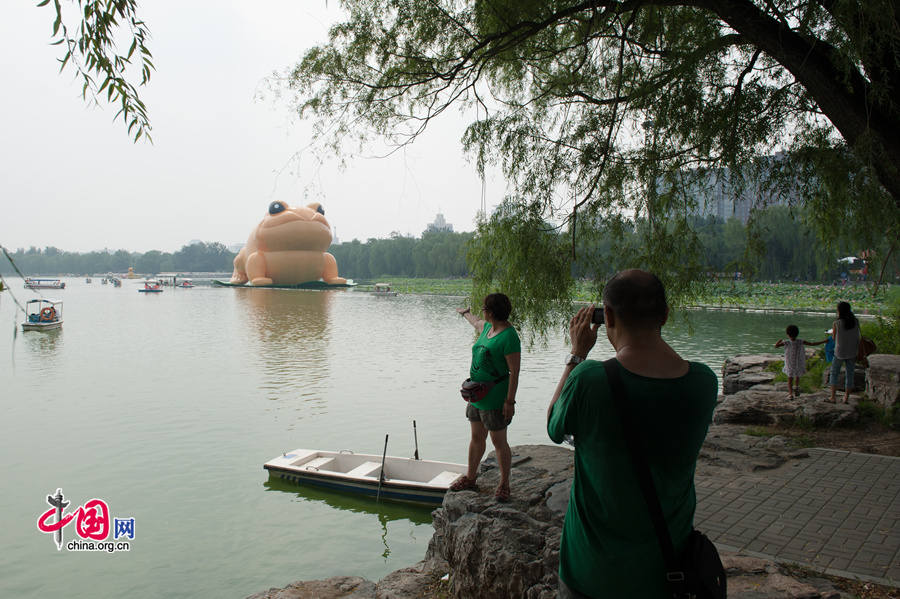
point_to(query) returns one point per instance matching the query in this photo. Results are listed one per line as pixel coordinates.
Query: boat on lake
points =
(151, 287)
(384, 290)
(185, 284)
(405, 479)
(33, 283)
(42, 315)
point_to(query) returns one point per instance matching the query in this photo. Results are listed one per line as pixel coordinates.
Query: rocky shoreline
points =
(481, 548)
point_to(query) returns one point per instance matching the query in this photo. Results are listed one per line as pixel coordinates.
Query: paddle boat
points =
(151, 287)
(32, 283)
(42, 315)
(384, 290)
(185, 284)
(405, 479)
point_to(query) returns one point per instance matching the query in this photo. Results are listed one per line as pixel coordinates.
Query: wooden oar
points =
(381, 475)
(416, 439)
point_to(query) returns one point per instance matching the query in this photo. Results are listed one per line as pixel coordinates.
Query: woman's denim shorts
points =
(836, 371)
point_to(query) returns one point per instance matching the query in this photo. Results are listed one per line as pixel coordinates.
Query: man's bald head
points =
(637, 298)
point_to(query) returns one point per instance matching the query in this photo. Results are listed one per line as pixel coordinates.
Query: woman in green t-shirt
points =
(496, 357)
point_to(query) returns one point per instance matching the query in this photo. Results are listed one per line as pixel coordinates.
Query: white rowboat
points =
(42, 315)
(405, 479)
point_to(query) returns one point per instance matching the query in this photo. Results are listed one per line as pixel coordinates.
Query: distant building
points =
(717, 196)
(439, 225)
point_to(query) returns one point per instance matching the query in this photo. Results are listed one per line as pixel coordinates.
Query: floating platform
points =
(307, 285)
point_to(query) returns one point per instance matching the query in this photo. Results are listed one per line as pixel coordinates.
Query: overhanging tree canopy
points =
(601, 110)
(91, 49)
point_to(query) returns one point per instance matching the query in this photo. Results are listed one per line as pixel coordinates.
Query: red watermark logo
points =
(92, 525)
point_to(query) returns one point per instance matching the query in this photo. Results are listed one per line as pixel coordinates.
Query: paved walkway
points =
(836, 512)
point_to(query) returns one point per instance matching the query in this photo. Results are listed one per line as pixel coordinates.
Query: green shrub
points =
(869, 410)
(885, 330)
(815, 367)
(809, 382)
(803, 441)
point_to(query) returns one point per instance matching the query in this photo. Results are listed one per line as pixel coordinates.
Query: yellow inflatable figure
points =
(288, 248)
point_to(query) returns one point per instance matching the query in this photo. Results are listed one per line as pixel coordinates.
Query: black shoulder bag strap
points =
(674, 573)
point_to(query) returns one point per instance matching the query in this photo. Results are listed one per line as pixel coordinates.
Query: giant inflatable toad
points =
(288, 248)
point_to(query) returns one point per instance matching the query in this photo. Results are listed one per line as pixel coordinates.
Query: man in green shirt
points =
(609, 547)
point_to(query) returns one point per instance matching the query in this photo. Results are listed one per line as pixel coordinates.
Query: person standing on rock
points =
(794, 357)
(609, 547)
(496, 358)
(846, 346)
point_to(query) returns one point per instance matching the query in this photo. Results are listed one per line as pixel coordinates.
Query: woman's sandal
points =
(502, 493)
(464, 483)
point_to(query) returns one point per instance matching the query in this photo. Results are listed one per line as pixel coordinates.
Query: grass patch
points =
(872, 412)
(804, 423)
(803, 441)
(775, 296)
(815, 369)
(790, 296)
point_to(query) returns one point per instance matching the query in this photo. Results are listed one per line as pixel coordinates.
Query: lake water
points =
(166, 406)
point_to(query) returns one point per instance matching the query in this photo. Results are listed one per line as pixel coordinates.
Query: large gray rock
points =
(728, 449)
(420, 580)
(768, 405)
(756, 578)
(760, 405)
(818, 413)
(859, 378)
(747, 371)
(337, 587)
(883, 379)
(500, 550)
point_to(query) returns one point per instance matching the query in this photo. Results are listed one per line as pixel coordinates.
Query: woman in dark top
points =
(846, 345)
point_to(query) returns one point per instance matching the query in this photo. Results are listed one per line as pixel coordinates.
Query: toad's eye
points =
(276, 207)
(320, 210)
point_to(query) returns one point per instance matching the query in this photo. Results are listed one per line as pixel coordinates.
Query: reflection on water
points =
(42, 344)
(291, 329)
(384, 511)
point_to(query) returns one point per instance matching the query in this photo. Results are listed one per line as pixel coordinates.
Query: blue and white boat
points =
(34, 283)
(405, 479)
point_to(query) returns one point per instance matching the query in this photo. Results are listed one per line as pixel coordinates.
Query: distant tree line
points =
(434, 255)
(197, 257)
(779, 245)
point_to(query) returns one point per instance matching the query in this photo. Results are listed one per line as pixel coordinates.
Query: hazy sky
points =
(72, 178)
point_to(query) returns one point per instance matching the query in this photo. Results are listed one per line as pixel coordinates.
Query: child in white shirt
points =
(794, 357)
